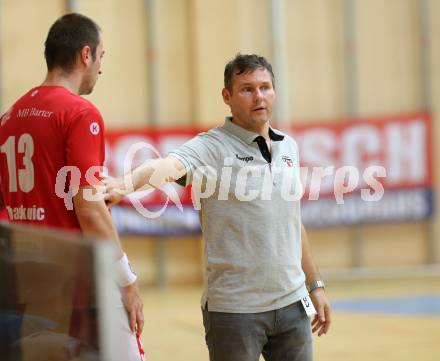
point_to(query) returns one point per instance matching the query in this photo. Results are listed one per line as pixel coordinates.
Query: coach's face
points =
(93, 69)
(251, 99)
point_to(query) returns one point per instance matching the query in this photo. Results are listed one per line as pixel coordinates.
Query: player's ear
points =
(86, 55)
(226, 96)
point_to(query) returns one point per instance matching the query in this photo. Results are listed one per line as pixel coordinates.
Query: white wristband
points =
(124, 274)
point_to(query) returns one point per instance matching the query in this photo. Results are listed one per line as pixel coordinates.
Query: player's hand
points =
(134, 306)
(114, 190)
(322, 320)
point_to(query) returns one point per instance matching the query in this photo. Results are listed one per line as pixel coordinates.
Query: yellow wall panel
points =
(141, 252)
(24, 28)
(121, 92)
(395, 245)
(174, 57)
(388, 57)
(316, 59)
(331, 248)
(220, 32)
(182, 259)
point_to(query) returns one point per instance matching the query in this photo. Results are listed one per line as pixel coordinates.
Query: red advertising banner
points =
(402, 145)
(331, 155)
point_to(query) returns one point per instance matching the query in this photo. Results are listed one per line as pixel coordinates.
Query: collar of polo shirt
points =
(246, 135)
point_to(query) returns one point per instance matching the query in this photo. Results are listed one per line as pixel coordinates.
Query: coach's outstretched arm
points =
(95, 221)
(153, 173)
(321, 322)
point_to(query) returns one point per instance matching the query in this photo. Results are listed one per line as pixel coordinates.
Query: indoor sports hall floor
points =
(387, 320)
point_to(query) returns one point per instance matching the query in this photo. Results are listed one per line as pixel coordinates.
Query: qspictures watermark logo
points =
(232, 181)
(353, 172)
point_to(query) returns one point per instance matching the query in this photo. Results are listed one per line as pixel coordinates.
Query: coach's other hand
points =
(322, 320)
(133, 304)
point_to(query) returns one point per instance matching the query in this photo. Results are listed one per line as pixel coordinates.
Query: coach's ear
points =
(226, 96)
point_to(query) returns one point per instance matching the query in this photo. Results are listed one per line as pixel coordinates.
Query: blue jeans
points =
(280, 335)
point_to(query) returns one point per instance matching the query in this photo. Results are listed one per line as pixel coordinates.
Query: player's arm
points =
(322, 320)
(96, 222)
(153, 173)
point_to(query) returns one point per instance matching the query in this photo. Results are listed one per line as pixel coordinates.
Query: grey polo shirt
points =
(250, 218)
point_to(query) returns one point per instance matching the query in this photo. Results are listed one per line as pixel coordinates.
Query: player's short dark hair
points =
(66, 37)
(245, 63)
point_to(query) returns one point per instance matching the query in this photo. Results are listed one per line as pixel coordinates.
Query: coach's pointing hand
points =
(114, 190)
(133, 304)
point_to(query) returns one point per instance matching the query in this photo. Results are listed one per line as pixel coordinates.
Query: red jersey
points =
(46, 130)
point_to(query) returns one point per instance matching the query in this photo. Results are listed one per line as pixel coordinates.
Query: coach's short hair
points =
(66, 37)
(245, 63)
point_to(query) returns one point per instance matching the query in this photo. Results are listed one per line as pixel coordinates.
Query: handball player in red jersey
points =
(52, 148)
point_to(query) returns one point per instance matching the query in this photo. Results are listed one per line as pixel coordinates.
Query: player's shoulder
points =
(58, 99)
(81, 105)
(58, 96)
(77, 109)
(20, 102)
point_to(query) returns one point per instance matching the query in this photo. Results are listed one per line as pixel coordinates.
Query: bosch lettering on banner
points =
(401, 145)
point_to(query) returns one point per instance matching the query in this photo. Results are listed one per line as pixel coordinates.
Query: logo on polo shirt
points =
(245, 158)
(288, 161)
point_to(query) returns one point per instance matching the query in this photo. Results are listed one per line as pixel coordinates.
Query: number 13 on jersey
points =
(13, 149)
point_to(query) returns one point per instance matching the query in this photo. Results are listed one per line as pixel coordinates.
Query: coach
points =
(261, 282)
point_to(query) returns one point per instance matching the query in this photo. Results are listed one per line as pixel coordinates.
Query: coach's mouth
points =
(259, 109)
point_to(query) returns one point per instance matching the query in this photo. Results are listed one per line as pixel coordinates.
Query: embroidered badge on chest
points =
(288, 161)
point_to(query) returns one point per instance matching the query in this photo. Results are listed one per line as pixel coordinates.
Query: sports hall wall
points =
(164, 67)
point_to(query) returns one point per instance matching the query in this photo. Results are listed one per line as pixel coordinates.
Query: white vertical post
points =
(425, 28)
(279, 61)
(425, 48)
(352, 86)
(112, 345)
(153, 66)
(72, 6)
(350, 55)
